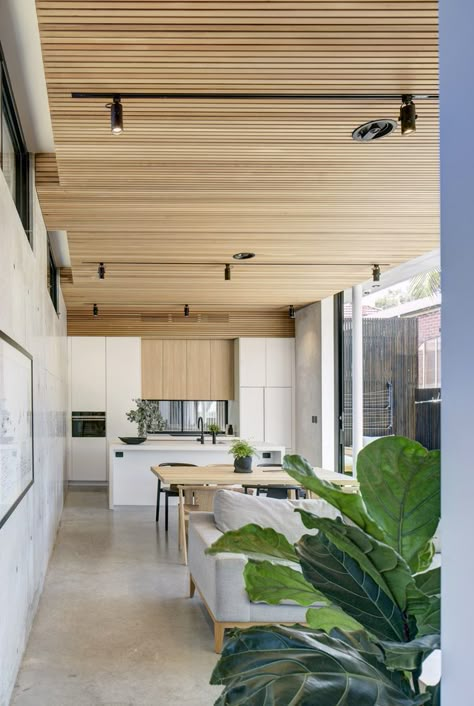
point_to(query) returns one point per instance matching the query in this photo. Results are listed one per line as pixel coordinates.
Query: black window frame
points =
(189, 432)
(9, 112)
(53, 274)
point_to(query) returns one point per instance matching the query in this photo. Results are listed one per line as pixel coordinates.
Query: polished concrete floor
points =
(114, 625)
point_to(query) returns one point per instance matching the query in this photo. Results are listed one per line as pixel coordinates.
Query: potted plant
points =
(242, 452)
(147, 416)
(371, 568)
(214, 428)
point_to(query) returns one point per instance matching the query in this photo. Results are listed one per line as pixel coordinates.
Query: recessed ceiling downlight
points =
(243, 255)
(374, 130)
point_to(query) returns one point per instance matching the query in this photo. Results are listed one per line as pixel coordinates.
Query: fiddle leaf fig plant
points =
(373, 609)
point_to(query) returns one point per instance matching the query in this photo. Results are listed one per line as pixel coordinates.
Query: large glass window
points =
(401, 330)
(14, 157)
(182, 416)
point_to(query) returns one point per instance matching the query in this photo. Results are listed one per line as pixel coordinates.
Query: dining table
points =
(264, 477)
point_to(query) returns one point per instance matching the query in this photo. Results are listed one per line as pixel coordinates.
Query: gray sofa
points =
(219, 578)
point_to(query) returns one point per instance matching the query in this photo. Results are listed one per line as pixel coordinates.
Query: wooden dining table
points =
(264, 477)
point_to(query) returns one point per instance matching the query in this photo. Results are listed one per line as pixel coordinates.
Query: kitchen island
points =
(130, 480)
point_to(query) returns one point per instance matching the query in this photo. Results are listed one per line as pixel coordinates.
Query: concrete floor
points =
(114, 625)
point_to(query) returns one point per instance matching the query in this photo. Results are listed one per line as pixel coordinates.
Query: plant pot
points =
(243, 465)
(213, 437)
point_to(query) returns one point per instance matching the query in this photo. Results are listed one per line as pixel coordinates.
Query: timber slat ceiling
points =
(196, 181)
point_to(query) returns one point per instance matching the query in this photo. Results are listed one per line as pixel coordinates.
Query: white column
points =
(357, 375)
(457, 379)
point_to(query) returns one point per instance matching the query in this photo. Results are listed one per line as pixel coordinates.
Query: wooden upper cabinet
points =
(198, 368)
(152, 369)
(190, 369)
(174, 370)
(222, 369)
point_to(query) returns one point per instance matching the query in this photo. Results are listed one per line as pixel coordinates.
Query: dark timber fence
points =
(428, 417)
(390, 356)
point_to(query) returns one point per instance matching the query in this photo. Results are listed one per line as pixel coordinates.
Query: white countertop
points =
(169, 443)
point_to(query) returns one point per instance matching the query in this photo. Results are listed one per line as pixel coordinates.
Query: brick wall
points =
(429, 326)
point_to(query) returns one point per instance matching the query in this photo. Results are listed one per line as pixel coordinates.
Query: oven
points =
(88, 424)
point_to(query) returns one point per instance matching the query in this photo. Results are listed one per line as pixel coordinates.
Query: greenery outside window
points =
(52, 272)
(14, 157)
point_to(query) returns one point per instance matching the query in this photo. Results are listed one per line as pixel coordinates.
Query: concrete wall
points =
(308, 383)
(26, 539)
(457, 258)
(315, 393)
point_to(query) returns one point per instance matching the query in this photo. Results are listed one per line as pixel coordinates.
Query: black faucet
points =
(200, 420)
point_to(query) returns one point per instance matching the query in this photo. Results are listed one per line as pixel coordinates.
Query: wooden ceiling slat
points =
(199, 180)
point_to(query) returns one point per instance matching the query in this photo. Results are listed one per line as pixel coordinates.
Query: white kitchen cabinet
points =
(251, 413)
(278, 406)
(252, 363)
(123, 376)
(279, 359)
(88, 459)
(88, 373)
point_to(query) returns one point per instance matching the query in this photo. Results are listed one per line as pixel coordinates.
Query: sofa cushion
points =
(234, 510)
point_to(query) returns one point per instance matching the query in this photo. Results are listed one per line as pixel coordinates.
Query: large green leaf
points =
(329, 618)
(435, 692)
(389, 571)
(400, 483)
(349, 504)
(343, 581)
(293, 667)
(425, 609)
(429, 582)
(252, 539)
(273, 583)
(409, 655)
(429, 621)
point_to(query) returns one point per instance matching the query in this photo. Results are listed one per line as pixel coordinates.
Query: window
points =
(14, 157)
(429, 363)
(401, 362)
(52, 273)
(182, 416)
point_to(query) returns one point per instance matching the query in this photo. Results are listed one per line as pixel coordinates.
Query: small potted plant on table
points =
(147, 416)
(242, 452)
(214, 429)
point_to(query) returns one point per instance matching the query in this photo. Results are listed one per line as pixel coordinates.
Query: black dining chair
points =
(169, 492)
(279, 492)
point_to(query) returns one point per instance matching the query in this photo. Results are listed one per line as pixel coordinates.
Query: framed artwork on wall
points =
(16, 425)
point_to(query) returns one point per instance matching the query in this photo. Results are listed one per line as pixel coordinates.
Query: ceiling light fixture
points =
(376, 273)
(291, 312)
(186, 310)
(408, 115)
(374, 130)
(227, 274)
(116, 115)
(95, 310)
(101, 270)
(243, 255)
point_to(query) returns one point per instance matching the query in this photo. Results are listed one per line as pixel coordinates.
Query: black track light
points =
(116, 116)
(291, 312)
(376, 273)
(408, 115)
(227, 274)
(95, 310)
(186, 309)
(101, 270)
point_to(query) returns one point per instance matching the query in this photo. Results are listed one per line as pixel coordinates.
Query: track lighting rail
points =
(258, 96)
